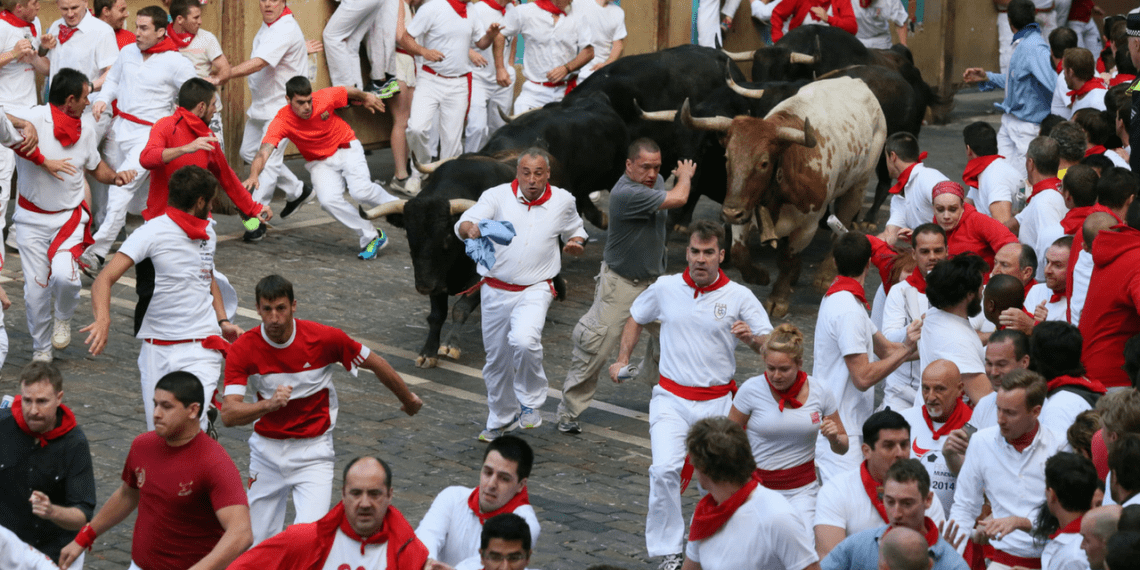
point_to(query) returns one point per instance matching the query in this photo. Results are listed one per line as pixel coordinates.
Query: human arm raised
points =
(679, 195)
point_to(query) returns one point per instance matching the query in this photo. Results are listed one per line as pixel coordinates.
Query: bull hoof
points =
(442, 351)
(426, 362)
(823, 279)
(454, 352)
(776, 309)
(867, 227)
(681, 228)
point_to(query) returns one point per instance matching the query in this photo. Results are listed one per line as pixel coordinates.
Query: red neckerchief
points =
(850, 285)
(194, 226)
(931, 533)
(873, 489)
(917, 280)
(459, 6)
(1095, 149)
(1026, 438)
(957, 419)
(537, 201)
(709, 517)
(721, 281)
(788, 396)
(549, 7)
(166, 44)
(520, 499)
(904, 176)
(285, 12)
(502, 9)
(17, 21)
(66, 424)
(1056, 296)
(1076, 94)
(193, 122)
(180, 39)
(1121, 78)
(975, 167)
(1092, 385)
(66, 31)
(1030, 285)
(1060, 65)
(1075, 218)
(378, 537)
(1047, 184)
(1073, 527)
(66, 129)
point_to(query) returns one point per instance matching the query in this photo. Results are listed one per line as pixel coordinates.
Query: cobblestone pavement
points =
(589, 490)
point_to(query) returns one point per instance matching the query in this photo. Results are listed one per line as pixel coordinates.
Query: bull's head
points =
(432, 244)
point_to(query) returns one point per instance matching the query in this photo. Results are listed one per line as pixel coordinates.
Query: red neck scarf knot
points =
(788, 397)
(874, 490)
(850, 285)
(1076, 94)
(521, 498)
(166, 44)
(1048, 184)
(501, 8)
(904, 176)
(378, 537)
(537, 201)
(957, 419)
(460, 7)
(285, 12)
(66, 423)
(721, 281)
(709, 517)
(66, 31)
(917, 280)
(975, 167)
(550, 7)
(66, 129)
(193, 122)
(1073, 527)
(1055, 297)
(1095, 149)
(17, 22)
(1020, 443)
(194, 226)
(1091, 385)
(180, 39)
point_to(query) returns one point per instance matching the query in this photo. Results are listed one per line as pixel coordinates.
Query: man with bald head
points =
(1097, 526)
(903, 549)
(942, 412)
(1018, 260)
(1082, 270)
(1003, 304)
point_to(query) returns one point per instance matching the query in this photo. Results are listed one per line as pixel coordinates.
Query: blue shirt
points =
(1030, 80)
(861, 550)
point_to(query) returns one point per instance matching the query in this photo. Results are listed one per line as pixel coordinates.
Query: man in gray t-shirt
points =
(634, 257)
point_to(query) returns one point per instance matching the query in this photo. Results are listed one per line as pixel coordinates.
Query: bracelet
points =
(86, 537)
(568, 70)
(223, 321)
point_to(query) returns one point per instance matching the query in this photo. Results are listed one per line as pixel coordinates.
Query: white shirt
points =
(1013, 482)
(488, 16)
(843, 503)
(9, 135)
(985, 413)
(697, 344)
(1041, 224)
(1060, 105)
(781, 440)
(1064, 553)
(182, 307)
(451, 531)
(1061, 410)
(1082, 273)
(606, 24)
(346, 553)
(763, 534)
(18, 79)
(35, 183)
(89, 51)
(873, 21)
(1042, 292)
(999, 182)
(533, 255)
(548, 44)
(914, 206)
(925, 448)
(202, 52)
(438, 26)
(147, 89)
(763, 12)
(1116, 159)
(843, 328)
(282, 46)
(16, 554)
(950, 337)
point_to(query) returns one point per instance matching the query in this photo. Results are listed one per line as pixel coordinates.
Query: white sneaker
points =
(412, 185)
(672, 562)
(61, 334)
(42, 356)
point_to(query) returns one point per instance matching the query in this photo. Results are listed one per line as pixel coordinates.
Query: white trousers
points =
(34, 234)
(156, 361)
(382, 40)
(534, 95)
(1088, 36)
(829, 464)
(278, 467)
(442, 98)
(7, 170)
(330, 176)
(803, 503)
(708, 24)
(275, 172)
(1013, 140)
(483, 117)
(670, 418)
(106, 137)
(130, 139)
(342, 37)
(512, 337)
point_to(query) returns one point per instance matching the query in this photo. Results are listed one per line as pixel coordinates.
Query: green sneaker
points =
(386, 89)
(373, 248)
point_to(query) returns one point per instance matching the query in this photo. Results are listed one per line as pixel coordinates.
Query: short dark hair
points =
(643, 144)
(981, 137)
(185, 387)
(1021, 13)
(719, 448)
(903, 144)
(907, 470)
(953, 279)
(1061, 39)
(188, 184)
(1073, 478)
(36, 372)
(99, 6)
(1028, 380)
(1129, 519)
(1132, 216)
(194, 91)
(1098, 162)
(513, 448)
(156, 14)
(383, 464)
(1081, 62)
(1027, 258)
(706, 229)
(1080, 182)
(1122, 551)
(272, 287)
(1096, 124)
(1019, 339)
(507, 526)
(1080, 434)
(852, 251)
(1055, 350)
(298, 85)
(67, 83)
(1048, 123)
(1045, 155)
(879, 421)
(1070, 139)
(1114, 187)
(182, 8)
(1124, 461)
(927, 228)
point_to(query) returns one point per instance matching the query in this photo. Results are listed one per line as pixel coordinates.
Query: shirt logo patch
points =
(140, 476)
(252, 478)
(815, 417)
(184, 489)
(720, 310)
(325, 116)
(918, 451)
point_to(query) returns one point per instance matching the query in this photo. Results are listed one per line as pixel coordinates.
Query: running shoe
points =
(373, 248)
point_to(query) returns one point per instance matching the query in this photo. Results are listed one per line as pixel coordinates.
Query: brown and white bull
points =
(816, 148)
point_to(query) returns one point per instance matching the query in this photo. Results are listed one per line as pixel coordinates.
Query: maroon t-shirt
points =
(180, 488)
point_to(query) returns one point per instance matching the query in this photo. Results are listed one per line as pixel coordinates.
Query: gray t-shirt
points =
(635, 240)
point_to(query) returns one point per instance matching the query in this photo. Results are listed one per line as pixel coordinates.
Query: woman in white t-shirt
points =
(783, 411)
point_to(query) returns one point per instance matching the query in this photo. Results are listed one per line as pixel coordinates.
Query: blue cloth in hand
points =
(481, 249)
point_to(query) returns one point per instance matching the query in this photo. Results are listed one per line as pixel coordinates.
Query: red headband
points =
(948, 187)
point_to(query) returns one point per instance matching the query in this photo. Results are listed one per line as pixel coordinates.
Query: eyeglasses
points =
(499, 557)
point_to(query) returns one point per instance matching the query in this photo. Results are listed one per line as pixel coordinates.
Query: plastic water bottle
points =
(627, 372)
(6, 402)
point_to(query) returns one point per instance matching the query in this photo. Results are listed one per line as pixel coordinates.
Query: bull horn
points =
(738, 55)
(802, 58)
(429, 167)
(385, 209)
(805, 136)
(703, 123)
(666, 116)
(744, 91)
(767, 228)
(459, 206)
(503, 115)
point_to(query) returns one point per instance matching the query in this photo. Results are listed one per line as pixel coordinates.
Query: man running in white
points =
(606, 21)
(145, 81)
(994, 182)
(954, 289)
(488, 98)
(202, 49)
(558, 44)
(80, 41)
(703, 316)
(289, 364)
(343, 34)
